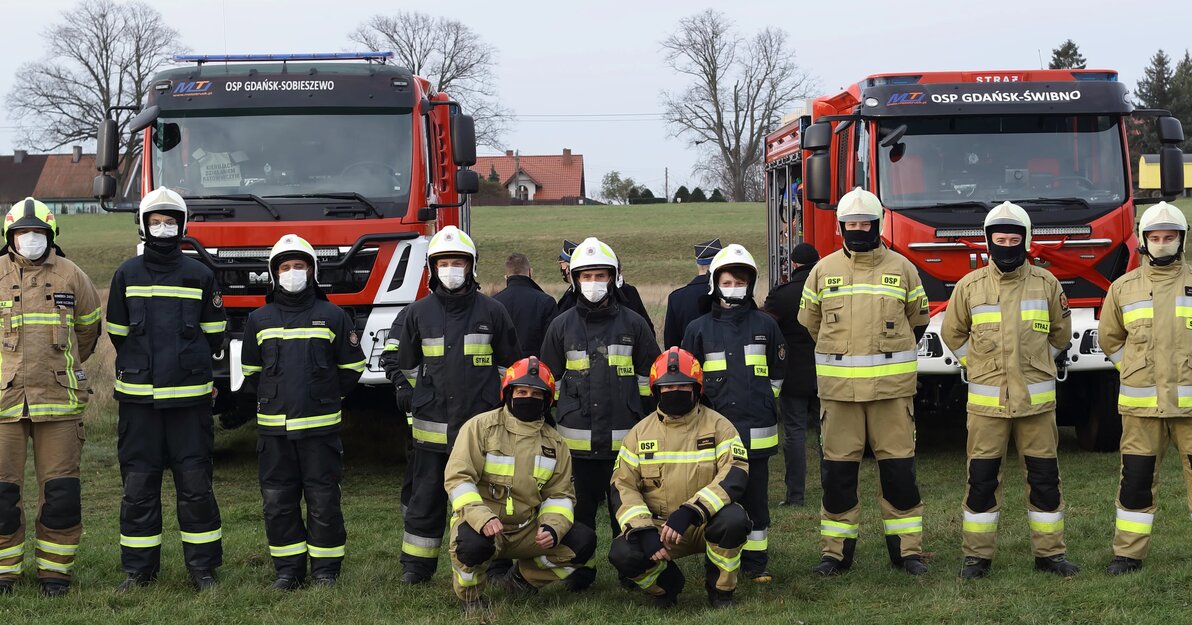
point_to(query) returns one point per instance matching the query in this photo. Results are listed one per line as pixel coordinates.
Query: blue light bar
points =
(316, 56)
(1106, 76)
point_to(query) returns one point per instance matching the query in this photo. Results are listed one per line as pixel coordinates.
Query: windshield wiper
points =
(961, 204)
(240, 197)
(1066, 201)
(347, 195)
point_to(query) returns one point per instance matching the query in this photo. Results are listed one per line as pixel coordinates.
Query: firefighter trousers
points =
(57, 447)
(425, 518)
(719, 540)
(755, 556)
(1036, 438)
(593, 486)
(292, 470)
(888, 425)
(1144, 443)
(149, 440)
(470, 550)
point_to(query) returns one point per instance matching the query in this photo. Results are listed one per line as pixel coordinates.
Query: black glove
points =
(648, 539)
(554, 536)
(405, 396)
(682, 518)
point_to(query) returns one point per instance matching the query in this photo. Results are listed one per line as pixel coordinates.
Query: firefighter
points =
(744, 363)
(166, 319)
(865, 308)
(301, 357)
(1007, 323)
(1146, 331)
(626, 293)
(679, 479)
(686, 303)
(454, 347)
(51, 319)
(509, 482)
(604, 351)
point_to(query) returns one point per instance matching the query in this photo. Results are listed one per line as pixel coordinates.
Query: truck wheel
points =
(1101, 430)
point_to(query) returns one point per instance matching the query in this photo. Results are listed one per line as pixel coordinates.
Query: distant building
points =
(62, 181)
(541, 179)
(1148, 171)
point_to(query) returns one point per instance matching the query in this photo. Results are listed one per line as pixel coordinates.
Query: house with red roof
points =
(541, 179)
(62, 181)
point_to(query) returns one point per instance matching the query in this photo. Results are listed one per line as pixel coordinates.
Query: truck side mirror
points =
(1170, 130)
(818, 136)
(463, 140)
(817, 178)
(466, 181)
(1171, 169)
(144, 119)
(107, 150)
(104, 187)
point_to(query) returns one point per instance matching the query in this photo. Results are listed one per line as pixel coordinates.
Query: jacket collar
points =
(524, 281)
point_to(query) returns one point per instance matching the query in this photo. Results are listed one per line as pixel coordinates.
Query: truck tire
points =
(1101, 429)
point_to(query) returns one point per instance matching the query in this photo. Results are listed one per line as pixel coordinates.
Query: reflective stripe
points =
(727, 564)
(561, 571)
(632, 512)
(755, 354)
(1055, 351)
(1045, 522)
(250, 369)
(420, 547)
(643, 385)
(713, 501)
(1138, 396)
(411, 376)
(158, 290)
(618, 436)
(14, 551)
(271, 420)
(463, 495)
(873, 366)
(907, 525)
(1034, 310)
(1138, 310)
(140, 542)
(478, 344)
(715, 361)
(763, 438)
(498, 465)
(282, 551)
(757, 540)
(777, 386)
(429, 431)
(200, 538)
(287, 334)
(1183, 306)
(326, 552)
(89, 318)
(986, 314)
(651, 575)
(213, 327)
(1041, 392)
(391, 345)
(354, 366)
(580, 440)
(50, 565)
(463, 579)
(11, 569)
(433, 347)
(48, 547)
(577, 360)
(628, 457)
(306, 423)
(544, 468)
(620, 356)
(1116, 357)
(916, 293)
(810, 296)
(1184, 396)
(980, 522)
(864, 289)
(679, 457)
(117, 329)
(560, 506)
(984, 395)
(961, 352)
(837, 529)
(169, 392)
(1135, 522)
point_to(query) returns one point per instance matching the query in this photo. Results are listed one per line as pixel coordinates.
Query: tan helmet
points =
(1008, 214)
(860, 205)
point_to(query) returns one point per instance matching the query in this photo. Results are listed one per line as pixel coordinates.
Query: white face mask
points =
(733, 292)
(452, 277)
(31, 245)
(594, 292)
(163, 231)
(293, 280)
(1159, 250)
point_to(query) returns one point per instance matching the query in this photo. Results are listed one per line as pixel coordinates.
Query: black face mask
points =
(676, 403)
(861, 240)
(527, 408)
(1008, 258)
(165, 245)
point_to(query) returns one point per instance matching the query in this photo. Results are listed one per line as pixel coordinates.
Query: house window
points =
(523, 193)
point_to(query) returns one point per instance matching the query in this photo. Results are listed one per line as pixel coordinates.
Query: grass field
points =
(654, 243)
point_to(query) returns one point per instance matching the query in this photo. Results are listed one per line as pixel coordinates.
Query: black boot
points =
(1057, 564)
(671, 581)
(410, 578)
(1122, 565)
(286, 583)
(914, 565)
(54, 588)
(203, 579)
(134, 580)
(829, 566)
(515, 584)
(975, 567)
(580, 579)
(720, 599)
(6, 586)
(324, 579)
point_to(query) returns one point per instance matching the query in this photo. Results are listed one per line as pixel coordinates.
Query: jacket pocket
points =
(833, 310)
(651, 476)
(67, 379)
(835, 346)
(325, 393)
(195, 359)
(266, 396)
(131, 363)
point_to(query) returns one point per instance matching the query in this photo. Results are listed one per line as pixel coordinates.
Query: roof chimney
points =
(509, 153)
(76, 153)
(566, 157)
(18, 156)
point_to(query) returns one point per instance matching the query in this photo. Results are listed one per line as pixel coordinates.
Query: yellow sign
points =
(1041, 326)
(647, 447)
(624, 370)
(833, 281)
(761, 371)
(891, 280)
(482, 361)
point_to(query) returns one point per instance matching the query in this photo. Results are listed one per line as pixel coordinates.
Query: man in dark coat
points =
(691, 300)
(798, 403)
(530, 308)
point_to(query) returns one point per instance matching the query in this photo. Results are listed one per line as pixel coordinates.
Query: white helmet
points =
(733, 255)
(860, 205)
(592, 253)
(1008, 214)
(161, 200)
(290, 245)
(450, 241)
(1162, 216)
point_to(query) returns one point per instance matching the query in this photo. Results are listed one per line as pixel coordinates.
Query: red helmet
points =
(529, 372)
(676, 366)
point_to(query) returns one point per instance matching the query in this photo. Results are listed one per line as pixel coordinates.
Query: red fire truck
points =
(361, 158)
(940, 149)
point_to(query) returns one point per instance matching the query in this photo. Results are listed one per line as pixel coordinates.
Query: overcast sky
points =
(602, 58)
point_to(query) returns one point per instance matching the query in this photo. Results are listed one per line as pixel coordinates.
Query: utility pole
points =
(666, 185)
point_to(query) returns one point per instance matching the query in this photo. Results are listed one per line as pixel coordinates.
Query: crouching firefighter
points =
(301, 357)
(679, 476)
(166, 319)
(509, 482)
(1008, 322)
(51, 317)
(1146, 331)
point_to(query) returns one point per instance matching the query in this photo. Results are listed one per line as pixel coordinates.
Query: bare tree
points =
(449, 54)
(738, 90)
(100, 54)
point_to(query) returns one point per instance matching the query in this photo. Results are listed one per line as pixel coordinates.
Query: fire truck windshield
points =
(940, 161)
(287, 154)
